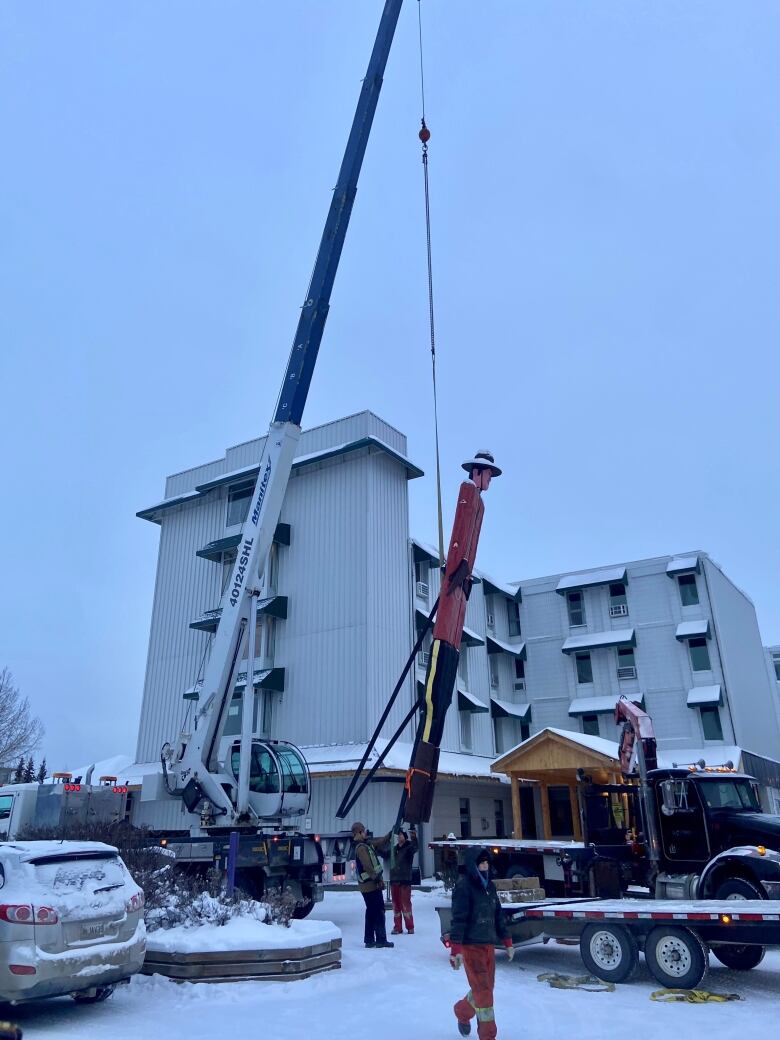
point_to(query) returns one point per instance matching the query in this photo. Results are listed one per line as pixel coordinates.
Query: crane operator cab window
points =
(294, 780)
(263, 773)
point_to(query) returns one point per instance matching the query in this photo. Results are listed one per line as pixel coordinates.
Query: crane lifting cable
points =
(425, 136)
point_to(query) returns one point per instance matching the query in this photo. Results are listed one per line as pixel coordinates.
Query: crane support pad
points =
(420, 783)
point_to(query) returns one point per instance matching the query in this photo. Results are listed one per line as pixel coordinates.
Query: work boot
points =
(464, 1028)
(397, 931)
(384, 945)
(370, 946)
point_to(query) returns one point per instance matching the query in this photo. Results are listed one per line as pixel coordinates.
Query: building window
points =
(584, 668)
(463, 667)
(626, 664)
(519, 674)
(465, 818)
(618, 605)
(689, 594)
(490, 617)
(513, 617)
(465, 730)
(711, 724)
(525, 729)
(228, 559)
(494, 680)
(776, 663)
(239, 497)
(700, 655)
(576, 604)
(590, 725)
(498, 806)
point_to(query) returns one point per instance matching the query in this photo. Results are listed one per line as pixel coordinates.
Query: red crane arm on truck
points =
(637, 731)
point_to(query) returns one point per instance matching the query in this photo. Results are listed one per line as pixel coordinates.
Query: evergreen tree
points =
(42, 773)
(29, 772)
(17, 778)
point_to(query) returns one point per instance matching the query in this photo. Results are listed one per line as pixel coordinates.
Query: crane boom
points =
(198, 756)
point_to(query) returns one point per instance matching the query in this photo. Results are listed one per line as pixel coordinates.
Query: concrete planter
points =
(275, 965)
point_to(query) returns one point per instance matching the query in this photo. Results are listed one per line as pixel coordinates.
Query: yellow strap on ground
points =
(589, 983)
(693, 996)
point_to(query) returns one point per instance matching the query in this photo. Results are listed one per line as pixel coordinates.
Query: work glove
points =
(456, 957)
(510, 950)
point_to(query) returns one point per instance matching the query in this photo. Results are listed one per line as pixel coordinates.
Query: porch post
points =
(517, 815)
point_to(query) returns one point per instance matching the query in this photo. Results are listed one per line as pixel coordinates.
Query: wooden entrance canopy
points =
(551, 758)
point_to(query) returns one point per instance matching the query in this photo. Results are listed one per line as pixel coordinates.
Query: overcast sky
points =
(606, 223)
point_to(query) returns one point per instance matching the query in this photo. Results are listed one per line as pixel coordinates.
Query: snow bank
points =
(241, 933)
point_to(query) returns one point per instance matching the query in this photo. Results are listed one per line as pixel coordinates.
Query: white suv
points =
(71, 920)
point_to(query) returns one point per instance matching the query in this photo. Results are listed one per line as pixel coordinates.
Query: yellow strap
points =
(589, 983)
(692, 996)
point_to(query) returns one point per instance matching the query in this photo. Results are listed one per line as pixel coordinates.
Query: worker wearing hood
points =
(477, 927)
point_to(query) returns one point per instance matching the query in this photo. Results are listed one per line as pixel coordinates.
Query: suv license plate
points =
(93, 931)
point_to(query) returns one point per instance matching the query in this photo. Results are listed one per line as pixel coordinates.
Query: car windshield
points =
(729, 794)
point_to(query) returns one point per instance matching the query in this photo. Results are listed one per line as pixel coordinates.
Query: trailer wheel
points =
(676, 957)
(609, 951)
(739, 958)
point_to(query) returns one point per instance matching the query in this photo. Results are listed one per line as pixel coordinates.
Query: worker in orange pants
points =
(476, 928)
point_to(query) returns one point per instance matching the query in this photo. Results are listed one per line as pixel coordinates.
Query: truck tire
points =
(738, 888)
(676, 957)
(251, 881)
(739, 958)
(609, 951)
(303, 909)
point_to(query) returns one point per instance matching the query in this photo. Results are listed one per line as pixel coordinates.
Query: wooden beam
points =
(517, 814)
(546, 825)
(575, 813)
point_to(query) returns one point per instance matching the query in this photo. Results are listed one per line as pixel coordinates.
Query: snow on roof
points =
(120, 766)
(682, 564)
(328, 758)
(586, 705)
(687, 629)
(519, 711)
(492, 586)
(603, 747)
(704, 695)
(514, 649)
(595, 640)
(712, 756)
(30, 850)
(589, 578)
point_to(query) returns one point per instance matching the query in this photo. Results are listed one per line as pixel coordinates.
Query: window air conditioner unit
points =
(422, 589)
(618, 610)
(423, 657)
(519, 684)
(491, 621)
(629, 672)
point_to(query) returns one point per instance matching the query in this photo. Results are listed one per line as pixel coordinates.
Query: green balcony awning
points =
(506, 710)
(471, 638)
(494, 588)
(468, 702)
(214, 550)
(498, 646)
(265, 679)
(272, 606)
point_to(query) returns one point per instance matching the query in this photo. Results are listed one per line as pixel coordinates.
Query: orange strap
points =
(410, 773)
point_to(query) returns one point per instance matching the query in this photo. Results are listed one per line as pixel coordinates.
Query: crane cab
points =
(279, 782)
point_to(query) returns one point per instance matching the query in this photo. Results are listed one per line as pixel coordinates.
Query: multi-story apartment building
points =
(347, 590)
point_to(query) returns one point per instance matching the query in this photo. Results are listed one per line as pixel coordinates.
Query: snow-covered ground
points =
(409, 991)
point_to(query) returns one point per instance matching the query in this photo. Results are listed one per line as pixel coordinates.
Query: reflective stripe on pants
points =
(480, 965)
(402, 905)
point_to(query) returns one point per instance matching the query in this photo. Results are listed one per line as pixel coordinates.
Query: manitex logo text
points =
(261, 493)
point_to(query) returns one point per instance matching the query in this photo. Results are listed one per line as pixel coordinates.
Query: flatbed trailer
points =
(561, 866)
(675, 936)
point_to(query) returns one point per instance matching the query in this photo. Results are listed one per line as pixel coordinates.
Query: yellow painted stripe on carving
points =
(429, 691)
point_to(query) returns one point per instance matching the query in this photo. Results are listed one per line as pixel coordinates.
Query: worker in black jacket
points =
(401, 862)
(477, 927)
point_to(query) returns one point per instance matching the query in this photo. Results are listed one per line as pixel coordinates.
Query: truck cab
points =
(710, 823)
